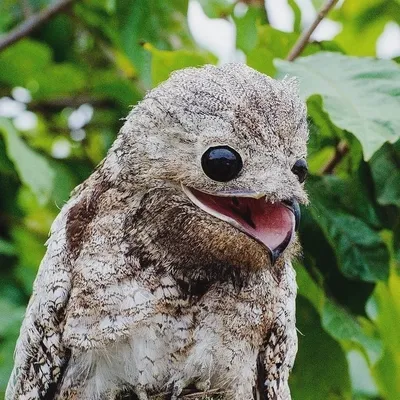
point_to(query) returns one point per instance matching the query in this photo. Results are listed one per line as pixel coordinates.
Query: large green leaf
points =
(361, 95)
(32, 168)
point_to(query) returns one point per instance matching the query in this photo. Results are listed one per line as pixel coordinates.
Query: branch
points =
(302, 41)
(32, 23)
(341, 150)
(62, 102)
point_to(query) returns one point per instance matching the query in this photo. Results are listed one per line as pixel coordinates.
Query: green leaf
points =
(340, 324)
(273, 43)
(31, 249)
(320, 366)
(385, 168)
(142, 21)
(346, 195)
(343, 327)
(7, 248)
(360, 251)
(164, 62)
(32, 168)
(366, 20)
(22, 61)
(59, 80)
(246, 29)
(109, 85)
(361, 95)
(318, 4)
(309, 289)
(10, 317)
(10, 321)
(297, 15)
(217, 8)
(384, 309)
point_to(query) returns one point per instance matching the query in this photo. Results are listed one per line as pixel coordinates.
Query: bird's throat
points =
(272, 224)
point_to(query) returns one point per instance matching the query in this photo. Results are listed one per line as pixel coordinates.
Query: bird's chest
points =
(209, 342)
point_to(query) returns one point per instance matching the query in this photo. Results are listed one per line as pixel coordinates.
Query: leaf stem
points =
(33, 22)
(341, 150)
(303, 39)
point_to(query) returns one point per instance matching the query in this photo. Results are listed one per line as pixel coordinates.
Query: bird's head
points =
(220, 153)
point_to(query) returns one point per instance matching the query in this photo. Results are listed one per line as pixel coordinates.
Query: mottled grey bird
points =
(170, 266)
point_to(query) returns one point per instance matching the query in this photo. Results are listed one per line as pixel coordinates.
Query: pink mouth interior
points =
(270, 223)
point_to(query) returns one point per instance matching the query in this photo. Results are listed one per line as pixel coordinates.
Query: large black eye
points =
(300, 169)
(221, 163)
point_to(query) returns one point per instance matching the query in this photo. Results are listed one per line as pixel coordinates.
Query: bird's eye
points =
(300, 169)
(221, 163)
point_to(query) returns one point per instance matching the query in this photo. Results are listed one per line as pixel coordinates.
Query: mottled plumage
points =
(141, 290)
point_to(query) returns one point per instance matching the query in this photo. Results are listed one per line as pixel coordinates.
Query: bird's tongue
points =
(270, 223)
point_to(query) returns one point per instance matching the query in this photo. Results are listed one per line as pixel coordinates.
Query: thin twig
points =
(302, 41)
(341, 150)
(62, 102)
(32, 23)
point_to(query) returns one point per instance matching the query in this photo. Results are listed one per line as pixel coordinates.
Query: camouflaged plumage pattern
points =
(142, 292)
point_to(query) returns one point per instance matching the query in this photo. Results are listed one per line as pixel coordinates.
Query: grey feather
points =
(143, 291)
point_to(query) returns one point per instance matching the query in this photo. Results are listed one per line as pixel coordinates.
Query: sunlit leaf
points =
(164, 62)
(217, 8)
(32, 168)
(273, 43)
(297, 15)
(384, 309)
(360, 95)
(19, 63)
(246, 29)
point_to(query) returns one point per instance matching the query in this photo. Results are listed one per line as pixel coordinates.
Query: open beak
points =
(271, 224)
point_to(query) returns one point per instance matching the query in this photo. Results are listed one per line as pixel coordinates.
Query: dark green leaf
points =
(320, 366)
(385, 167)
(360, 251)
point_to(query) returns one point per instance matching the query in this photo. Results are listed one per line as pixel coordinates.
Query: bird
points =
(169, 269)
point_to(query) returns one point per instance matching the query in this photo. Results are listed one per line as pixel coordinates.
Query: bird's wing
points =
(40, 355)
(88, 293)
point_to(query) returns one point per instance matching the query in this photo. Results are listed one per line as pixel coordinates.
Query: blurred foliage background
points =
(65, 88)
